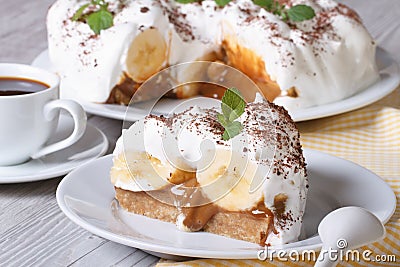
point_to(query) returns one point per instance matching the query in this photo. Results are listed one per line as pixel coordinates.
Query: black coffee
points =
(20, 86)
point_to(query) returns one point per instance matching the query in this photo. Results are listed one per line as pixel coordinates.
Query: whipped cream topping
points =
(266, 153)
(327, 58)
(99, 61)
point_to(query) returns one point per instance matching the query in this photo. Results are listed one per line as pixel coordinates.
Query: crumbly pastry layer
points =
(260, 173)
(314, 62)
(230, 224)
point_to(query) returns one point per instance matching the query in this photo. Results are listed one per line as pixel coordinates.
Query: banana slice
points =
(137, 171)
(146, 55)
(226, 180)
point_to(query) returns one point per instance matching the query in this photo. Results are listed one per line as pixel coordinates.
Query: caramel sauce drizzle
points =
(196, 217)
(190, 198)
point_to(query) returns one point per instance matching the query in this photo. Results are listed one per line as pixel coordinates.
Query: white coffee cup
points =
(28, 120)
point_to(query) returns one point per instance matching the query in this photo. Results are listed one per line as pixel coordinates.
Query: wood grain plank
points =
(23, 32)
(137, 258)
(148, 260)
(105, 255)
(131, 259)
(19, 201)
(47, 238)
(33, 230)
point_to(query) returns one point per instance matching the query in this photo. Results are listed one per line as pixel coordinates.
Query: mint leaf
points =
(222, 119)
(100, 20)
(232, 107)
(97, 2)
(232, 130)
(232, 104)
(284, 16)
(221, 3)
(300, 13)
(267, 4)
(79, 12)
(295, 13)
(231, 114)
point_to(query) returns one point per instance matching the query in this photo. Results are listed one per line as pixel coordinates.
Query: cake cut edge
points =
(235, 225)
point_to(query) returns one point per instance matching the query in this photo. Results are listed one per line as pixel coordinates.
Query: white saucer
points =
(86, 196)
(92, 145)
(389, 80)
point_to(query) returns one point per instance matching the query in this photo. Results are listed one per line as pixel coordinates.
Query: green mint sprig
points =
(220, 3)
(98, 20)
(232, 106)
(295, 13)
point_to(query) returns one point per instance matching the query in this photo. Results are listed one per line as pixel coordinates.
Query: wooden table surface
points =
(33, 230)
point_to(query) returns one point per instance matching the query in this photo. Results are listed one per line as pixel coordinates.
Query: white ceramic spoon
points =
(347, 228)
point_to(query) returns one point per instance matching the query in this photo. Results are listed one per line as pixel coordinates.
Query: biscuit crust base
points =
(237, 225)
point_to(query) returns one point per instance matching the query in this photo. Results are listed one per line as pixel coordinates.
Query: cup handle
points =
(79, 116)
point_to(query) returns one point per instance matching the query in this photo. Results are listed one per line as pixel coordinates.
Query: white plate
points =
(388, 69)
(92, 145)
(86, 196)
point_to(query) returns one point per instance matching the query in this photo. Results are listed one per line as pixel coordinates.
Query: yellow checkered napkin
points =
(369, 137)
